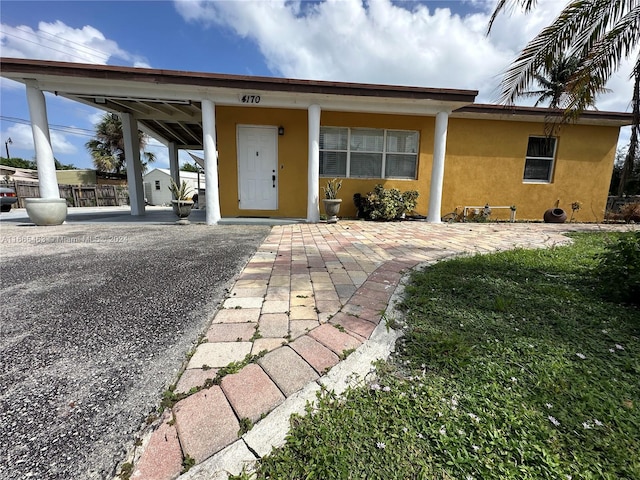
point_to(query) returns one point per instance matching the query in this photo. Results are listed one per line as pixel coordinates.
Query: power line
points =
(58, 39)
(83, 132)
(62, 128)
(44, 46)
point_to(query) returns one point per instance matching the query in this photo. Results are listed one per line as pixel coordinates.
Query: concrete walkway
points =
(311, 295)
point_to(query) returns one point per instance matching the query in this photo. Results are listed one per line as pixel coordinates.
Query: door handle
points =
(273, 178)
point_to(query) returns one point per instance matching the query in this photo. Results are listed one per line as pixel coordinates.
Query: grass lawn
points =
(512, 367)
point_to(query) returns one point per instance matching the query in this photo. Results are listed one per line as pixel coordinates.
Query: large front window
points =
(368, 153)
(538, 165)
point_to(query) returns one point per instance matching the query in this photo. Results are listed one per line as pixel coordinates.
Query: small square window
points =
(540, 159)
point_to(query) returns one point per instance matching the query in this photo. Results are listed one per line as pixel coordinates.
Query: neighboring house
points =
(270, 144)
(158, 180)
(15, 174)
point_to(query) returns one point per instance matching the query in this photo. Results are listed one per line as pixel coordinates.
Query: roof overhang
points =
(542, 115)
(167, 103)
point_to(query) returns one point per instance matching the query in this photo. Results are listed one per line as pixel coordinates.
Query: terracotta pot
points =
(555, 215)
(331, 208)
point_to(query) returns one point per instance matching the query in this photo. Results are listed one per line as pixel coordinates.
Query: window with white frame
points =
(368, 153)
(540, 159)
(157, 184)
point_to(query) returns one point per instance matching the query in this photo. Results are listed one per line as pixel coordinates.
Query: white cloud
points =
(381, 42)
(60, 42)
(22, 139)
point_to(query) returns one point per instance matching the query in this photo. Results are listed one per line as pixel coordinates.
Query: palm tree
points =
(107, 149)
(555, 83)
(600, 33)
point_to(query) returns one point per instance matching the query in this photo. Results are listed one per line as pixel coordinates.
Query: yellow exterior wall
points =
(292, 159)
(424, 125)
(484, 163)
(76, 177)
(293, 155)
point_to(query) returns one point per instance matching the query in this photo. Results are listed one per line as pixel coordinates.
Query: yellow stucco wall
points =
(484, 163)
(76, 177)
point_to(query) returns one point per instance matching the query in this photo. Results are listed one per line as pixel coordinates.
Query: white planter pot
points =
(46, 211)
(331, 208)
(182, 208)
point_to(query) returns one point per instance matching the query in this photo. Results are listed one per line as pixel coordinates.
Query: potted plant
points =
(181, 202)
(331, 202)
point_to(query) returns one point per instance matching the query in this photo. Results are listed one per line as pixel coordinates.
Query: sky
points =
(439, 44)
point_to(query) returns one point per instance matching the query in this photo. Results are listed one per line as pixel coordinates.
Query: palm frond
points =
(565, 34)
(526, 5)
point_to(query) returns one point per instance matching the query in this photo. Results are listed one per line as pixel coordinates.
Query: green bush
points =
(387, 204)
(618, 269)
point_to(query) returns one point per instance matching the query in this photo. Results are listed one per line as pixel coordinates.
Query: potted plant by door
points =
(331, 202)
(181, 202)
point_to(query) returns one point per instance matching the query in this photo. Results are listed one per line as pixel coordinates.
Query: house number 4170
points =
(250, 99)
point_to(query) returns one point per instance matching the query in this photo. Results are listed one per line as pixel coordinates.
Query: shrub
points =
(618, 269)
(386, 204)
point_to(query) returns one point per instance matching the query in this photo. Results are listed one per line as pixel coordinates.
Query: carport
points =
(179, 109)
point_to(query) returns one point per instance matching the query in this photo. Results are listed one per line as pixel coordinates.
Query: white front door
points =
(258, 168)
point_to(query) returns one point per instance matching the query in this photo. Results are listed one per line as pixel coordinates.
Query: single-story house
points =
(270, 144)
(158, 181)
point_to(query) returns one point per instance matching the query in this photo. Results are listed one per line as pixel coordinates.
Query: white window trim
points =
(553, 162)
(384, 153)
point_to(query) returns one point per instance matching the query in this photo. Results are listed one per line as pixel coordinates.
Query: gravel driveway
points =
(95, 322)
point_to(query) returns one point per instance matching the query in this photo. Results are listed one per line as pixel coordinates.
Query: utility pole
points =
(6, 145)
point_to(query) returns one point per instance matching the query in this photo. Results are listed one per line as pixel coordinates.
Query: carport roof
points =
(167, 103)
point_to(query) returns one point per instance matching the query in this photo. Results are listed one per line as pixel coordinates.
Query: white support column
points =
(437, 171)
(47, 179)
(134, 166)
(174, 166)
(313, 174)
(212, 195)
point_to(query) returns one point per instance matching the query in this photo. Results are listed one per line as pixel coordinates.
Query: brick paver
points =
(315, 354)
(335, 338)
(162, 458)
(205, 423)
(251, 392)
(219, 354)
(288, 370)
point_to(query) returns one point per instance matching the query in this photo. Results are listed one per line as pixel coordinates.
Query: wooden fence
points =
(77, 195)
(614, 204)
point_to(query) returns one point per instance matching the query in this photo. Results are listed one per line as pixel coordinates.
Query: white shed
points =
(157, 181)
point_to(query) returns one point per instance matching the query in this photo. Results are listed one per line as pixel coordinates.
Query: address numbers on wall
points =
(250, 98)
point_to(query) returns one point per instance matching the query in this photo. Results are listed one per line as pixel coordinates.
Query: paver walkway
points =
(310, 295)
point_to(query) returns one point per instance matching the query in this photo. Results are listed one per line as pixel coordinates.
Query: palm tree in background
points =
(107, 148)
(601, 34)
(555, 82)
